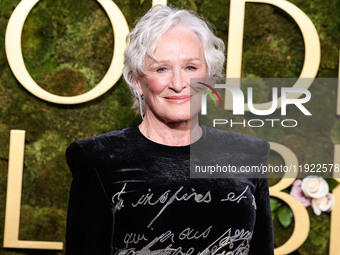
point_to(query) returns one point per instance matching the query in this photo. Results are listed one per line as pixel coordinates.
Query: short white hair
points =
(152, 26)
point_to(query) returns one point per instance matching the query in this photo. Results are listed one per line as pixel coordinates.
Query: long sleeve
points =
(89, 219)
(263, 237)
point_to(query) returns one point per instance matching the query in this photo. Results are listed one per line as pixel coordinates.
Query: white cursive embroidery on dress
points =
(254, 202)
(232, 196)
(164, 198)
(120, 202)
(228, 243)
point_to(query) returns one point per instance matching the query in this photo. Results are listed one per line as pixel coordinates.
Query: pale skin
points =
(166, 88)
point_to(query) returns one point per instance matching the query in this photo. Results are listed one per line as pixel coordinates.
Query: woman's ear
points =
(137, 84)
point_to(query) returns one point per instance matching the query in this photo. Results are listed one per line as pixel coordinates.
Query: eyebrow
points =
(154, 61)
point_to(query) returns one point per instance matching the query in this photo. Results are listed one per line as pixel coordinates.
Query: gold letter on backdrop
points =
(13, 200)
(16, 61)
(161, 2)
(235, 42)
(338, 99)
(301, 217)
(334, 247)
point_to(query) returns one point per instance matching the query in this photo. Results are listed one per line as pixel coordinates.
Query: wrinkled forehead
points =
(176, 37)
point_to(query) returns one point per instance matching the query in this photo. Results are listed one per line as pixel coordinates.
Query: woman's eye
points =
(161, 70)
(191, 68)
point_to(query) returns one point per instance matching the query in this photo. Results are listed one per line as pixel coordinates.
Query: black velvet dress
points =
(130, 195)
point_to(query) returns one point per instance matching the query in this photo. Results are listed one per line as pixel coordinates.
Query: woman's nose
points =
(178, 82)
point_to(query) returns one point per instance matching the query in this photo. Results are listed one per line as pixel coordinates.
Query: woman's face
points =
(166, 83)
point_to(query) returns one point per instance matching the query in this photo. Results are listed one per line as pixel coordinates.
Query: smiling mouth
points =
(177, 99)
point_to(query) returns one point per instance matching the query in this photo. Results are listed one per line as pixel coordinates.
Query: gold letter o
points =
(17, 65)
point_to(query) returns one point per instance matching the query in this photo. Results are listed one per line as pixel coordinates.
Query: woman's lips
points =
(177, 99)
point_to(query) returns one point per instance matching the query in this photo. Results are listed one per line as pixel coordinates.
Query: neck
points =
(171, 133)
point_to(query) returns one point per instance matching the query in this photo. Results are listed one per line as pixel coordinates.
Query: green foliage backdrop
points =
(68, 46)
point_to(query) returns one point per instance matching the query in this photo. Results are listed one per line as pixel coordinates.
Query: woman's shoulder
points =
(228, 148)
(106, 141)
(236, 140)
(118, 134)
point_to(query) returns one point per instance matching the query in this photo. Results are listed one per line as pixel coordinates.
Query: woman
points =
(132, 192)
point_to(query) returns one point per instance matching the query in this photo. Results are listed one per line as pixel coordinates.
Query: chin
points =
(181, 115)
(177, 117)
